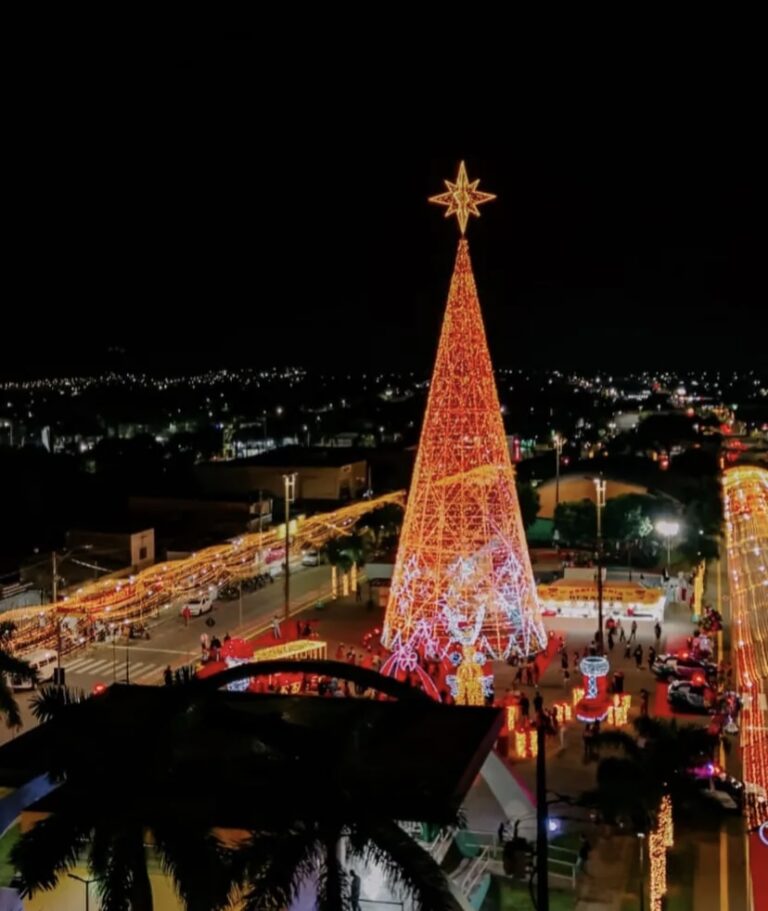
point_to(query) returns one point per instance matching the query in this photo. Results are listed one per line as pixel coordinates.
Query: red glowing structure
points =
(463, 575)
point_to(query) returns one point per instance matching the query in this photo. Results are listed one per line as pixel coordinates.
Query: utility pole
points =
(56, 617)
(558, 442)
(542, 844)
(600, 501)
(290, 496)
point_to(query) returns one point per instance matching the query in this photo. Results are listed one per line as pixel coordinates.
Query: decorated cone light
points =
(462, 583)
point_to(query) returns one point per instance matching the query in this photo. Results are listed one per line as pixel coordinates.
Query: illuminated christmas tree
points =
(462, 583)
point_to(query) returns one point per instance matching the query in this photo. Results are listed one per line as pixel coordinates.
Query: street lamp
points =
(641, 841)
(668, 528)
(87, 884)
(290, 495)
(600, 486)
(557, 441)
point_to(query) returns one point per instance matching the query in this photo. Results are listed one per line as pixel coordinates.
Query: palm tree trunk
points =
(334, 883)
(141, 893)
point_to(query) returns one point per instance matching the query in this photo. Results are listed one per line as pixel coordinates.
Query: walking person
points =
(186, 614)
(622, 634)
(538, 704)
(657, 631)
(276, 634)
(204, 643)
(168, 676)
(525, 706)
(585, 849)
(638, 656)
(651, 656)
(633, 631)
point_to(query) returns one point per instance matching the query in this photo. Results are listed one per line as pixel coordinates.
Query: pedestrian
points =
(627, 650)
(651, 656)
(585, 849)
(536, 673)
(354, 890)
(276, 627)
(519, 674)
(564, 661)
(186, 614)
(566, 677)
(622, 634)
(501, 832)
(633, 631)
(538, 703)
(525, 705)
(529, 674)
(586, 738)
(576, 659)
(611, 643)
(638, 656)
(168, 676)
(204, 643)
(227, 637)
(657, 630)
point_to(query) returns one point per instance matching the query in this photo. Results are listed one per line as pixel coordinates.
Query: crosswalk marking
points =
(98, 666)
(88, 667)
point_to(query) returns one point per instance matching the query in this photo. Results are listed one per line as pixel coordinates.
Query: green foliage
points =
(577, 523)
(529, 500)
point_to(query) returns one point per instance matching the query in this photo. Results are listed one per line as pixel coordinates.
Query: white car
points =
(199, 604)
(310, 558)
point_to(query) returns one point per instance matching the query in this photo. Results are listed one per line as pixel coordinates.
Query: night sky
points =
(197, 207)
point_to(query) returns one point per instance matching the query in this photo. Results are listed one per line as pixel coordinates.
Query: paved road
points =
(173, 643)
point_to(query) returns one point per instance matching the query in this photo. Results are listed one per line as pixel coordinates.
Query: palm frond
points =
(51, 701)
(406, 865)
(198, 863)
(332, 894)
(11, 665)
(50, 848)
(8, 705)
(273, 868)
(121, 871)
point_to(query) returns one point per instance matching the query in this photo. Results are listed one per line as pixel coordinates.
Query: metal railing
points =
(475, 872)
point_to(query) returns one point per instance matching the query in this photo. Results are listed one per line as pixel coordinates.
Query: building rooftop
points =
(240, 759)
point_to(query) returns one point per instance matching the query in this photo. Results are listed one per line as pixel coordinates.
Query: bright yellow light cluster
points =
(469, 680)
(120, 600)
(462, 198)
(666, 824)
(577, 694)
(299, 649)
(563, 712)
(658, 863)
(745, 509)
(618, 712)
(513, 716)
(526, 743)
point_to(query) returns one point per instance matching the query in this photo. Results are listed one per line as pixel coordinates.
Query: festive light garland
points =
(745, 508)
(463, 574)
(113, 601)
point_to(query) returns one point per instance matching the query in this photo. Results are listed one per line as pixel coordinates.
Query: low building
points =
(323, 474)
(134, 548)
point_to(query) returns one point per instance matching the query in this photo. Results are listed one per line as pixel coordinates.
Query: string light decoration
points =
(666, 824)
(657, 854)
(462, 565)
(745, 510)
(462, 198)
(120, 600)
(563, 712)
(526, 743)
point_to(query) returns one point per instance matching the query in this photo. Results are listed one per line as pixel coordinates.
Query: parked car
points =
(691, 697)
(201, 603)
(310, 557)
(683, 667)
(44, 661)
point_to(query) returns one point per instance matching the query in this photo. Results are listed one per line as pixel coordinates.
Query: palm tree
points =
(654, 763)
(10, 667)
(115, 837)
(275, 867)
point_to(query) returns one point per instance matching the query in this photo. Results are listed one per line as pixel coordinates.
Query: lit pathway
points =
(745, 495)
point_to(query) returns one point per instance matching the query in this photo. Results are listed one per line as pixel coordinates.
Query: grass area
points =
(6, 844)
(569, 840)
(510, 896)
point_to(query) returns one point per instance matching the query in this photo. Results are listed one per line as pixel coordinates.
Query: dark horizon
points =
(193, 217)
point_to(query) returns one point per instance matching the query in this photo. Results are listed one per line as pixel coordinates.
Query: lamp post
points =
(668, 528)
(641, 841)
(87, 884)
(600, 503)
(290, 495)
(557, 440)
(55, 598)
